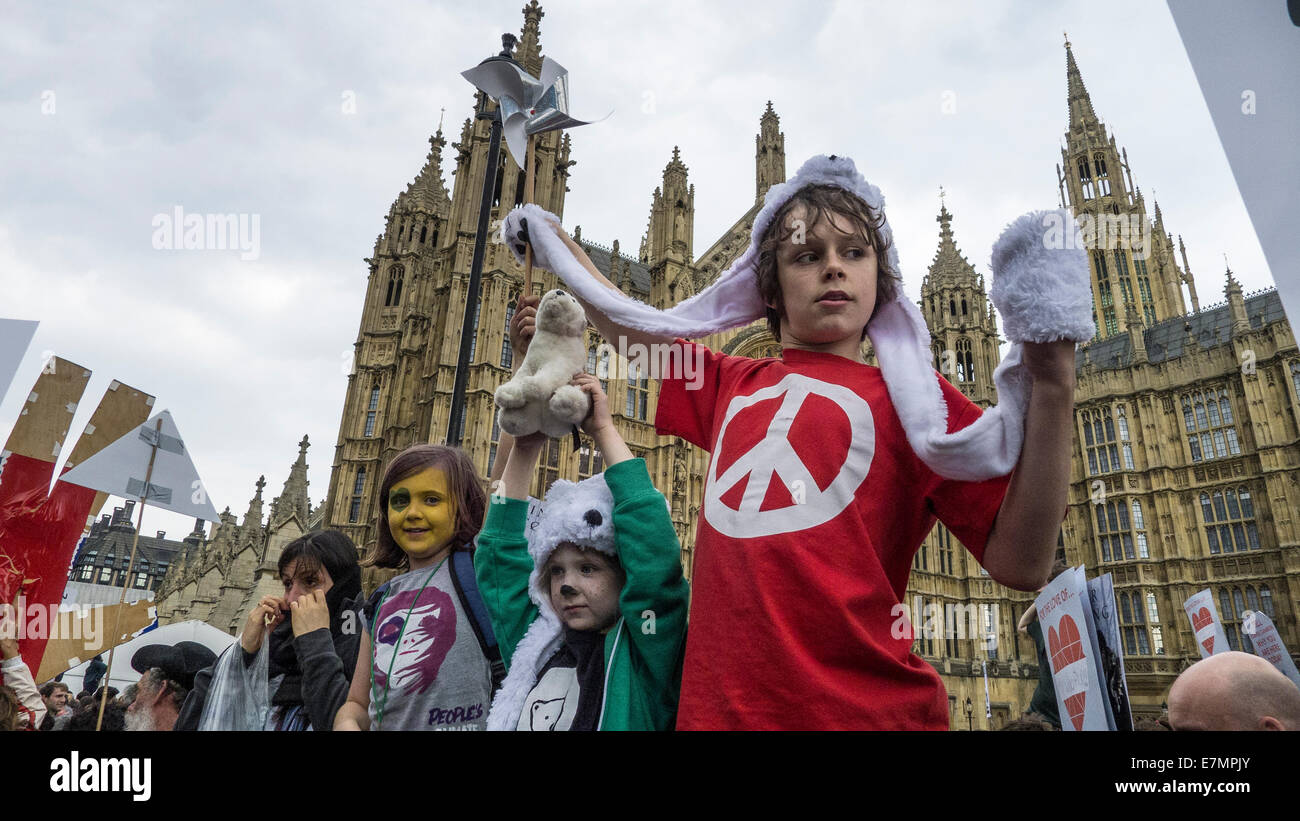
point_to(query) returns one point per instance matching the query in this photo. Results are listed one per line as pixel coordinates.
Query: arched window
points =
(1103, 180)
(963, 307)
(1139, 531)
(965, 364)
(507, 353)
(473, 334)
(952, 307)
(424, 230)
(1125, 444)
(1295, 378)
(1207, 417)
(591, 360)
(393, 296)
(1229, 518)
(1099, 441)
(1266, 600)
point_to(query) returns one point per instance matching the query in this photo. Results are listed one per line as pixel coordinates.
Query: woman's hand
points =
(256, 625)
(310, 612)
(523, 325)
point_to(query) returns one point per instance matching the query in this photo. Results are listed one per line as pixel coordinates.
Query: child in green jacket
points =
(588, 603)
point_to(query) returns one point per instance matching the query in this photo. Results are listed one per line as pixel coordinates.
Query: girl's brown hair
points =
(823, 202)
(463, 482)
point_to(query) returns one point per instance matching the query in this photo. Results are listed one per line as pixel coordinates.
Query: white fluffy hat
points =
(579, 513)
(1040, 287)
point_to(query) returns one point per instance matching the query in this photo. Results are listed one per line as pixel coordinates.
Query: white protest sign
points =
(1061, 613)
(120, 470)
(15, 336)
(1268, 644)
(1210, 638)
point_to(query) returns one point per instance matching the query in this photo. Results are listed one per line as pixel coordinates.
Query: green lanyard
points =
(388, 679)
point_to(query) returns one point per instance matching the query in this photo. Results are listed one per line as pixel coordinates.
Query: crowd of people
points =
(576, 618)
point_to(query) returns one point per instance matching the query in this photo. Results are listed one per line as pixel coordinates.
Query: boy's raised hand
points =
(599, 424)
(599, 417)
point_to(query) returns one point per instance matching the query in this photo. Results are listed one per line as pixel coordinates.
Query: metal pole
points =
(454, 432)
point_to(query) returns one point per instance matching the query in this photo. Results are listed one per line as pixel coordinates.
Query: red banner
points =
(38, 536)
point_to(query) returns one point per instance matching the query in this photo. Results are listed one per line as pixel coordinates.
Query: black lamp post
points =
(970, 712)
(455, 430)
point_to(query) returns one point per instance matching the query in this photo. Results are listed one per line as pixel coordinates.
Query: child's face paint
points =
(422, 513)
(585, 586)
(828, 285)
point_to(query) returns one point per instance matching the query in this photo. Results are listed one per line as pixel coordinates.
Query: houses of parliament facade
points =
(1186, 457)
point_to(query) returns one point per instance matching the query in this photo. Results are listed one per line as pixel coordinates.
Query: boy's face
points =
(584, 588)
(828, 285)
(421, 513)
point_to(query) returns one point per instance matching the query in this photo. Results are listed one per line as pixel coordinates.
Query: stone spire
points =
(252, 523)
(1187, 276)
(769, 154)
(1131, 320)
(293, 499)
(949, 262)
(529, 51)
(427, 190)
(1236, 303)
(1081, 113)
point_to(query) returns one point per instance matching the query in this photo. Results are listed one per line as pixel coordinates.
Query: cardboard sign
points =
(90, 635)
(120, 470)
(1268, 644)
(1210, 636)
(1062, 611)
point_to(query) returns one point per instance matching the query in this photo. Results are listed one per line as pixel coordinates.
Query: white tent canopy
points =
(122, 675)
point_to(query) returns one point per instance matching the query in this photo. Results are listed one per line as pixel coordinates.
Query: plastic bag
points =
(238, 697)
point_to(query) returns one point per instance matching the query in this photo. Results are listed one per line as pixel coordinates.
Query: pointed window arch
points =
(965, 362)
(964, 312)
(507, 353)
(393, 296)
(424, 231)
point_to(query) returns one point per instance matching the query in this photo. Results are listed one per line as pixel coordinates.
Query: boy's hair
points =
(822, 202)
(48, 688)
(462, 481)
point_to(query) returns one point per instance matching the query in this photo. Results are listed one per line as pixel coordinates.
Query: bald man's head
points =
(1234, 691)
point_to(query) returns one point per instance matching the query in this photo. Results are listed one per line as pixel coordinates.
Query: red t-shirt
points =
(813, 508)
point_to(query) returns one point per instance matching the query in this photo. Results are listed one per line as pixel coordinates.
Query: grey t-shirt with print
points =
(437, 677)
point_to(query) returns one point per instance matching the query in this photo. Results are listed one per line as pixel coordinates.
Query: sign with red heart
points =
(1205, 623)
(1074, 672)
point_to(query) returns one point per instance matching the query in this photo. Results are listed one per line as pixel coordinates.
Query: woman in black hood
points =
(314, 629)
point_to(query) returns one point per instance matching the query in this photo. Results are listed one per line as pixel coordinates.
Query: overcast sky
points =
(118, 113)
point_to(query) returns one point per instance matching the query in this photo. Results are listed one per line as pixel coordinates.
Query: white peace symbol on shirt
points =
(775, 459)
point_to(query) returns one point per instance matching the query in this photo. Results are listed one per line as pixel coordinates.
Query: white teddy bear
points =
(539, 397)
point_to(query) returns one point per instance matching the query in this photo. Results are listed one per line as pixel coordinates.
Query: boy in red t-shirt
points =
(816, 498)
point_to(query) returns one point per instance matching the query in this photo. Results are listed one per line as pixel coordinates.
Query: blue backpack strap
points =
(462, 576)
(372, 605)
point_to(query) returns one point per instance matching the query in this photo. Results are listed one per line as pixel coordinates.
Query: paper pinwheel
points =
(528, 106)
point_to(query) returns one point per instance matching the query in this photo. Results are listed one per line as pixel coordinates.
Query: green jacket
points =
(643, 653)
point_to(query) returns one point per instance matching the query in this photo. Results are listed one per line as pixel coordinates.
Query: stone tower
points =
(963, 330)
(399, 391)
(669, 237)
(769, 153)
(1135, 278)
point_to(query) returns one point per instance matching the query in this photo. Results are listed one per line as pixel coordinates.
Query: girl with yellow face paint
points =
(420, 665)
